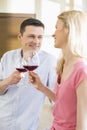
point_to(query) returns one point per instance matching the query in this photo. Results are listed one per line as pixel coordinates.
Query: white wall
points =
(3, 5)
(17, 6)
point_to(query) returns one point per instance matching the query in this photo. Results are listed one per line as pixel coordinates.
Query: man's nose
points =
(36, 40)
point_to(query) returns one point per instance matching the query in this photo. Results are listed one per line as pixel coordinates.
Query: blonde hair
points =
(76, 23)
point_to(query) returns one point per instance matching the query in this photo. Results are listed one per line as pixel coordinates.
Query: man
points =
(20, 103)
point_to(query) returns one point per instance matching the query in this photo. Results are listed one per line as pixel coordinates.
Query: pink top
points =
(66, 100)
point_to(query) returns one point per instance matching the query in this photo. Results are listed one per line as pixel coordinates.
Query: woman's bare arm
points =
(82, 106)
(35, 80)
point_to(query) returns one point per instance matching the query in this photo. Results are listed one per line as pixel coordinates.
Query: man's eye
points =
(40, 37)
(31, 36)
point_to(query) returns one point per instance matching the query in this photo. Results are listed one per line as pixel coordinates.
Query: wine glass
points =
(23, 61)
(20, 67)
(32, 60)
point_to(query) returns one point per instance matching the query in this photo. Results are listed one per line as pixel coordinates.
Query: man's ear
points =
(19, 36)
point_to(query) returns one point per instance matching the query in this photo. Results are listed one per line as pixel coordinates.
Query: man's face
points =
(32, 37)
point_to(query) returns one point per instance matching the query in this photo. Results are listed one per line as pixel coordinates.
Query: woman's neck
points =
(69, 57)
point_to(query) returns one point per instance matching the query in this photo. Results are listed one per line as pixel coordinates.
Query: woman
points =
(70, 109)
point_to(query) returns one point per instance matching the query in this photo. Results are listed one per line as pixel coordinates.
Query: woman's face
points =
(60, 35)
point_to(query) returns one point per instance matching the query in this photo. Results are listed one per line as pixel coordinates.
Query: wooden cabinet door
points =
(9, 28)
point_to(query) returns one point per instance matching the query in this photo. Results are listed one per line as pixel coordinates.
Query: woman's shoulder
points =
(80, 71)
(81, 64)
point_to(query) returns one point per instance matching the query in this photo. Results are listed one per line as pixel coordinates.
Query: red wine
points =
(21, 69)
(31, 68)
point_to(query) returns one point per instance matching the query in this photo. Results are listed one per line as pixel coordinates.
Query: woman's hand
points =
(35, 80)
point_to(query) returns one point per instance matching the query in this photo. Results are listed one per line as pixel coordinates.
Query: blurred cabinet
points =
(9, 28)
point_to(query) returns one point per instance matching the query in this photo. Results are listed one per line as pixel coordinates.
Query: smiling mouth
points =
(33, 46)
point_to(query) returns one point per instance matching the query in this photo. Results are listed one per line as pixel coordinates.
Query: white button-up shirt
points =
(20, 106)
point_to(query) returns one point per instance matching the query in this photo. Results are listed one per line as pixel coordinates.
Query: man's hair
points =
(29, 22)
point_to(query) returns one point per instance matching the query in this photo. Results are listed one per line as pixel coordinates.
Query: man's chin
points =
(36, 48)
